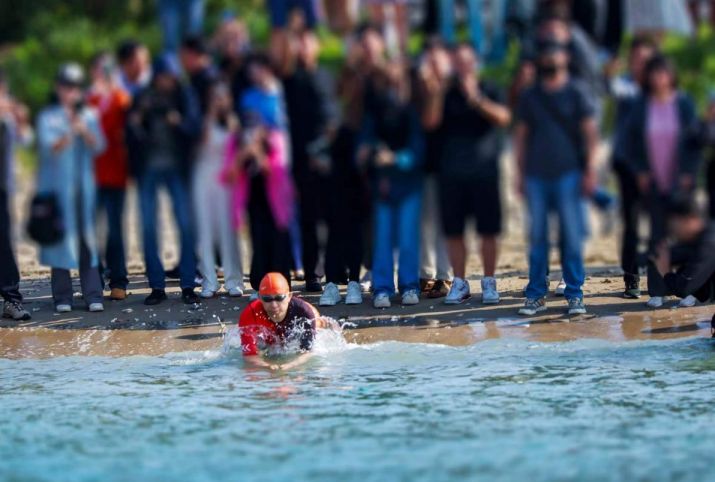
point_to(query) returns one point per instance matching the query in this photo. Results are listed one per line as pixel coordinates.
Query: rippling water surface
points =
(498, 410)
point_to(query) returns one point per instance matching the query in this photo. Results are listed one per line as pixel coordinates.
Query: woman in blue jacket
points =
(69, 138)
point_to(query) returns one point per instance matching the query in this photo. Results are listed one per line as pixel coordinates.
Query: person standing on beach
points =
(14, 128)
(112, 167)
(163, 127)
(555, 143)
(471, 116)
(70, 137)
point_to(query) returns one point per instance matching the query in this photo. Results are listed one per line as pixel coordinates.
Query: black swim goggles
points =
(269, 298)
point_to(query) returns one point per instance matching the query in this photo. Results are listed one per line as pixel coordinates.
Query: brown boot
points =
(118, 294)
(440, 289)
(426, 285)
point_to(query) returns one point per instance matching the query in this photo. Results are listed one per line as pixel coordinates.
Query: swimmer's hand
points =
(296, 362)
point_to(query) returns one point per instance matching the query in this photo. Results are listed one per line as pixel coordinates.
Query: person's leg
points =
(184, 223)
(309, 229)
(567, 200)
(230, 244)
(657, 207)
(489, 251)
(194, 17)
(61, 284)
(428, 233)
(89, 277)
(148, 186)
(207, 200)
(454, 208)
(113, 202)
(499, 43)
(630, 208)
(383, 266)
(9, 274)
(487, 209)
(296, 241)
(311, 11)
(457, 249)
(170, 21)
(447, 20)
(476, 25)
(260, 240)
(408, 241)
(537, 199)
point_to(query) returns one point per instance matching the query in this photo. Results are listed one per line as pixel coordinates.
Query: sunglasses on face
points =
(269, 299)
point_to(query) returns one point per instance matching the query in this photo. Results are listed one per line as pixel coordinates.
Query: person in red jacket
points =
(112, 167)
(278, 323)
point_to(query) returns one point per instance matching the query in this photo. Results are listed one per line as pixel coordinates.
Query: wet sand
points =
(130, 328)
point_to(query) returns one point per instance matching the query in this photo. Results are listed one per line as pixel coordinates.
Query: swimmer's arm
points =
(260, 362)
(300, 360)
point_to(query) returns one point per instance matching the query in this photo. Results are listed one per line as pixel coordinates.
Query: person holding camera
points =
(391, 149)
(163, 126)
(70, 138)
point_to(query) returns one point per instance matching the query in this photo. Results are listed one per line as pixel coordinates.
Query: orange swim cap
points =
(274, 284)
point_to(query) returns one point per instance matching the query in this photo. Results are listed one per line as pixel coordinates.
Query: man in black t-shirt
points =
(470, 123)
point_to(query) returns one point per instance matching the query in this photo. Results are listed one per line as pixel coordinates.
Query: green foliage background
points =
(37, 35)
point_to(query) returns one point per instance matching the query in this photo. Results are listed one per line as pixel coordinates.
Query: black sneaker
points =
(313, 286)
(633, 290)
(189, 296)
(156, 297)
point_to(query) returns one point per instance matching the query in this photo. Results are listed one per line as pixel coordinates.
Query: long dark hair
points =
(657, 63)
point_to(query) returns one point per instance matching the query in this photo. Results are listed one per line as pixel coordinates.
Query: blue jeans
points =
(397, 223)
(492, 48)
(178, 19)
(111, 201)
(280, 10)
(149, 184)
(563, 196)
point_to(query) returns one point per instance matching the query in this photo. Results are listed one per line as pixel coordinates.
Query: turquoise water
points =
(497, 410)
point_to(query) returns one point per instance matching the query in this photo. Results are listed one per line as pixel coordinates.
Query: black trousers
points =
(271, 246)
(9, 274)
(631, 212)
(658, 211)
(345, 235)
(312, 192)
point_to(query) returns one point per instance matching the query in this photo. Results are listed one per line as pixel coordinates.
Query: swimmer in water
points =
(276, 320)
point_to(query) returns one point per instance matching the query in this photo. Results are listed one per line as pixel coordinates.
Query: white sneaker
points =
(459, 293)
(207, 294)
(63, 308)
(366, 282)
(560, 288)
(96, 307)
(410, 297)
(354, 296)
(656, 301)
(382, 301)
(490, 295)
(331, 295)
(235, 292)
(688, 302)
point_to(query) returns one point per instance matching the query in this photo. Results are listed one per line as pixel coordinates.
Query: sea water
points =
(501, 410)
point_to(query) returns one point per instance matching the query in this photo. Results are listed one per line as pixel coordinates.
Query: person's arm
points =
(590, 136)
(257, 361)
(296, 362)
(51, 140)
(93, 135)
(521, 133)
(691, 149)
(433, 108)
(495, 112)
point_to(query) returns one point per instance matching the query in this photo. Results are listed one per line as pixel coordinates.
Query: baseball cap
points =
(70, 74)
